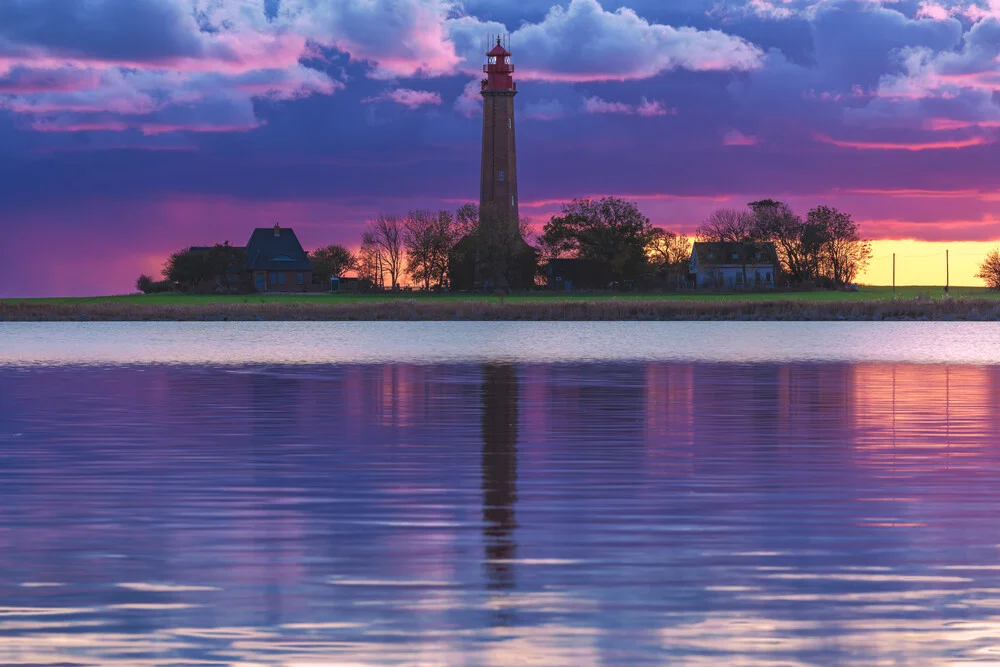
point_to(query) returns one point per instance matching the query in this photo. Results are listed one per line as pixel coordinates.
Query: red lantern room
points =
(499, 70)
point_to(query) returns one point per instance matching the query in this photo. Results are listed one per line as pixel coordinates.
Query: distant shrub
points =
(147, 285)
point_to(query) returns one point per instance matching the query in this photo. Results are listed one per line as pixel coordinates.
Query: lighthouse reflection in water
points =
(573, 514)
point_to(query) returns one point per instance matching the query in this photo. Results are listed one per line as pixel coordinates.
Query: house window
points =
(274, 278)
(736, 255)
(500, 175)
(300, 278)
(260, 282)
(768, 276)
(281, 278)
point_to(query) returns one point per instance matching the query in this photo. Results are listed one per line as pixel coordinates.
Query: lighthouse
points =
(495, 256)
(498, 178)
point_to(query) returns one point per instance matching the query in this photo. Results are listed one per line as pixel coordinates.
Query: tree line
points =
(826, 248)
(616, 243)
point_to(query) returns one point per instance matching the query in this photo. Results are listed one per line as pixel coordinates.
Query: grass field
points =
(872, 303)
(864, 294)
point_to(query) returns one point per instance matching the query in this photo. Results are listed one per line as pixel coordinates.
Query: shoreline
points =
(918, 309)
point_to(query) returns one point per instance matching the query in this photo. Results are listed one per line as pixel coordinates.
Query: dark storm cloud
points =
(121, 30)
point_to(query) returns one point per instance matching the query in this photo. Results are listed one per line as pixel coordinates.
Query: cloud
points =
(584, 42)
(597, 105)
(646, 108)
(118, 65)
(737, 138)
(906, 146)
(470, 102)
(400, 38)
(544, 110)
(411, 99)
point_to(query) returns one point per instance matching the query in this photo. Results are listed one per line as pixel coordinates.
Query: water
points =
(164, 506)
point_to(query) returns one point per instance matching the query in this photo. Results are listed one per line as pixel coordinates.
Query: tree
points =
(798, 243)
(186, 268)
(466, 220)
(369, 262)
(224, 259)
(331, 261)
(147, 285)
(428, 240)
(669, 254)
(844, 253)
(611, 232)
(989, 270)
(728, 225)
(384, 234)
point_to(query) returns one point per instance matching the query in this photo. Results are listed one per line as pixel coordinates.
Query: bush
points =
(147, 285)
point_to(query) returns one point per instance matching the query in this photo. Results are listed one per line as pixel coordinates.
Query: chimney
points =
(277, 229)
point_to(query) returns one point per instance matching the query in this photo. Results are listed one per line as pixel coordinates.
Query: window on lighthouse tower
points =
(500, 175)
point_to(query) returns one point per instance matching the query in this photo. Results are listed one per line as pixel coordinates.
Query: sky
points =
(132, 128)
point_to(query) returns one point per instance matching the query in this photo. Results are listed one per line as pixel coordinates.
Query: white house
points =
(734, 265)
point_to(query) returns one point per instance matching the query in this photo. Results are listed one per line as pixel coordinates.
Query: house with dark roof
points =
(734, 265)
(276, 261)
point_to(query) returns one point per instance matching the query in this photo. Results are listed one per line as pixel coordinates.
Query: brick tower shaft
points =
(498, 178)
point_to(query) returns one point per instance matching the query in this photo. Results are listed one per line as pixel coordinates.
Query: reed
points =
(973, 309)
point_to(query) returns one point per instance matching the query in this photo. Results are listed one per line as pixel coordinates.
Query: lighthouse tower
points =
(498, 180)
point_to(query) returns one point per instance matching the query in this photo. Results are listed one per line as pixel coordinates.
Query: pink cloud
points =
(71, 126)
(737, 138)
(153, 129)
(620, 45)
(900, 146)
(918, 194)
(650, 108)
(932, 10)
(949, 124)
(470, 102)
(411, 99)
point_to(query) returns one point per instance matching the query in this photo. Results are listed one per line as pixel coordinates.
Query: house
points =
(733, 265)
(568, 274)
(276, 261)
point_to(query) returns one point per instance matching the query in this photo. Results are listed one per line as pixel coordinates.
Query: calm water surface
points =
(164, 506)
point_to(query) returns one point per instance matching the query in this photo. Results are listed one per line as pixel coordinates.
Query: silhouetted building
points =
(734, 265)
(276, 261)
(568, 274)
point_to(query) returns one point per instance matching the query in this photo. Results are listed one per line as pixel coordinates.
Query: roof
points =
(498, 50)
(721, 254)
(267, 251)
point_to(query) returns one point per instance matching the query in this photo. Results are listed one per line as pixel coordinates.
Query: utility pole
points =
(947, 272)
(893, 274)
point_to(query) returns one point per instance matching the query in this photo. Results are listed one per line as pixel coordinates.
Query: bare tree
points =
(989, 270)
(369, 261)
(466, 220)
(844, 253)
(428, 240)
(728, 225)
(385, 233)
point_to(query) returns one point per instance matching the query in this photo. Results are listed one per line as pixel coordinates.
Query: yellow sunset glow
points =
(923, 262)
